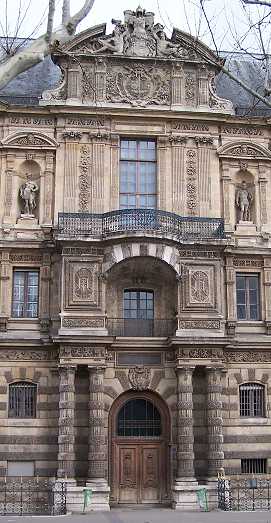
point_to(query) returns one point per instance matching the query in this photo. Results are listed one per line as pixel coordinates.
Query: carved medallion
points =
(139, 378)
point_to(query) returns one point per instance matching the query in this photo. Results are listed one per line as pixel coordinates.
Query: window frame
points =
(251, 400)
(138, 290)
(137, 163)
(248, 275)
(26, 271)
(24, 384)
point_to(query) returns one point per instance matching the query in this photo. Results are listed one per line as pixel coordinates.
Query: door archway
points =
(140, 433)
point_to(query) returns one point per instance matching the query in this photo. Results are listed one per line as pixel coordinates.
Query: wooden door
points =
(137, 472)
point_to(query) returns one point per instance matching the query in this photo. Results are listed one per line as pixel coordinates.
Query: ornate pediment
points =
(244, 150)
(29, 140)
(139, 65)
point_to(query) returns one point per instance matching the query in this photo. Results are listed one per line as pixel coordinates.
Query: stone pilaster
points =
(185, 443)
(214, 420)
(66, 454)
(97, 451)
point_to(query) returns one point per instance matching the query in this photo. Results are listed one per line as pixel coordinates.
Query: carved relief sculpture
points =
(28, 193)
(139, 378)
(243, 201)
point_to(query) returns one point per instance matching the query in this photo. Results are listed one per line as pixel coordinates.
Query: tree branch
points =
(258, 2)
(50, 20)
(66, 14)
(38, 49)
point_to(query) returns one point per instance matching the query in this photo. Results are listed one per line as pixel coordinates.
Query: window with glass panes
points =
(138, 174)
(138, 304)
(25, 294)
(247, 296)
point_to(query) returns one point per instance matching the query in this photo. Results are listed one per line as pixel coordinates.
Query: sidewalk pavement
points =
(161, 515)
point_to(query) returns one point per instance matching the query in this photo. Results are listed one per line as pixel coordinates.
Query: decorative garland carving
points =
(247, 356)
(84, 183)
(25, 355)
(72, 135)
(190, 89)
(93, 323)
(99, 353)
(199, 324)
(139, 377)
(249, 131)
(35, 258)
(191, 181)
(200, 353)
(247, 262)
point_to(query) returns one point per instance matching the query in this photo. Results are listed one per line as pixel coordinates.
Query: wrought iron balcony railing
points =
(137, 328)
(75, 225)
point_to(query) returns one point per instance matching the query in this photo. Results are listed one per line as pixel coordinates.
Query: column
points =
(66, 454)
(97, 450)
(185, 443)
(214, 421)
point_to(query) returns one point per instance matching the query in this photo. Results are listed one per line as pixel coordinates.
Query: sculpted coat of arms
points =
(138, 36)
(139, 378)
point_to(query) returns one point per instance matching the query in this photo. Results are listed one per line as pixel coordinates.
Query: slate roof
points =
(27, 88)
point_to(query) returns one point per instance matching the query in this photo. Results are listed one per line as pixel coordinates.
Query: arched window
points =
(139, 418)
(252, 400)
(22, 400)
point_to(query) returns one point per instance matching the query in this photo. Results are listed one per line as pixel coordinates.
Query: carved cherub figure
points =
(164, 46)
(115, 42)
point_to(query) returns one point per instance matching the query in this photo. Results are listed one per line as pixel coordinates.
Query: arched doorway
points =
(139, 452)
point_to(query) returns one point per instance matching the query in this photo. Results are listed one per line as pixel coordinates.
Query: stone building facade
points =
(135, 282)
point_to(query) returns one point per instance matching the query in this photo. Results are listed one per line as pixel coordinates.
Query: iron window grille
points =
(252, 400)
(138, 186)
(139, 418)
(248, 296)
(253, 466)
(22, 400)
(25, 294)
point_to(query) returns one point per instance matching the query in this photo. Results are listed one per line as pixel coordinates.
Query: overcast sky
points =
(227, 16)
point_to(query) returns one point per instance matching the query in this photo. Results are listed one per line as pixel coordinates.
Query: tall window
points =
(138, 312)
(25, 296)
(22, 400)
(248, 296)
(138, 174)
(252, 400)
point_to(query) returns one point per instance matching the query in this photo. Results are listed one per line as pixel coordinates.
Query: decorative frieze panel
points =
(83, 323)
(199, 353)
(27, 355)
(97, 354)
(199, 324)
(82, 285)
(247, 356)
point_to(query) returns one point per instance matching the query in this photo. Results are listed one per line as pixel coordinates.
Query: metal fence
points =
(32, 496)
(74, 225)
(244, 493)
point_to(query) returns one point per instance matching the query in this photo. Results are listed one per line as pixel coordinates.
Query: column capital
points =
(96, 369)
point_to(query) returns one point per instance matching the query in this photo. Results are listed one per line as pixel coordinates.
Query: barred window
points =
(22, 400)
(252, 400)
(248, 296)
(25, 294)
(253, 466)
(138, 174)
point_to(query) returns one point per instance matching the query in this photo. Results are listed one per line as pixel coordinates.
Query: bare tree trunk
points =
(37, 50)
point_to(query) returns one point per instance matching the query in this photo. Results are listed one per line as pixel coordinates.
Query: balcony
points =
(100, 226)
(141, 328)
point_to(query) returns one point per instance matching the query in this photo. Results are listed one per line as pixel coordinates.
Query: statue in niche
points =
(243, 200)
(28, 193)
